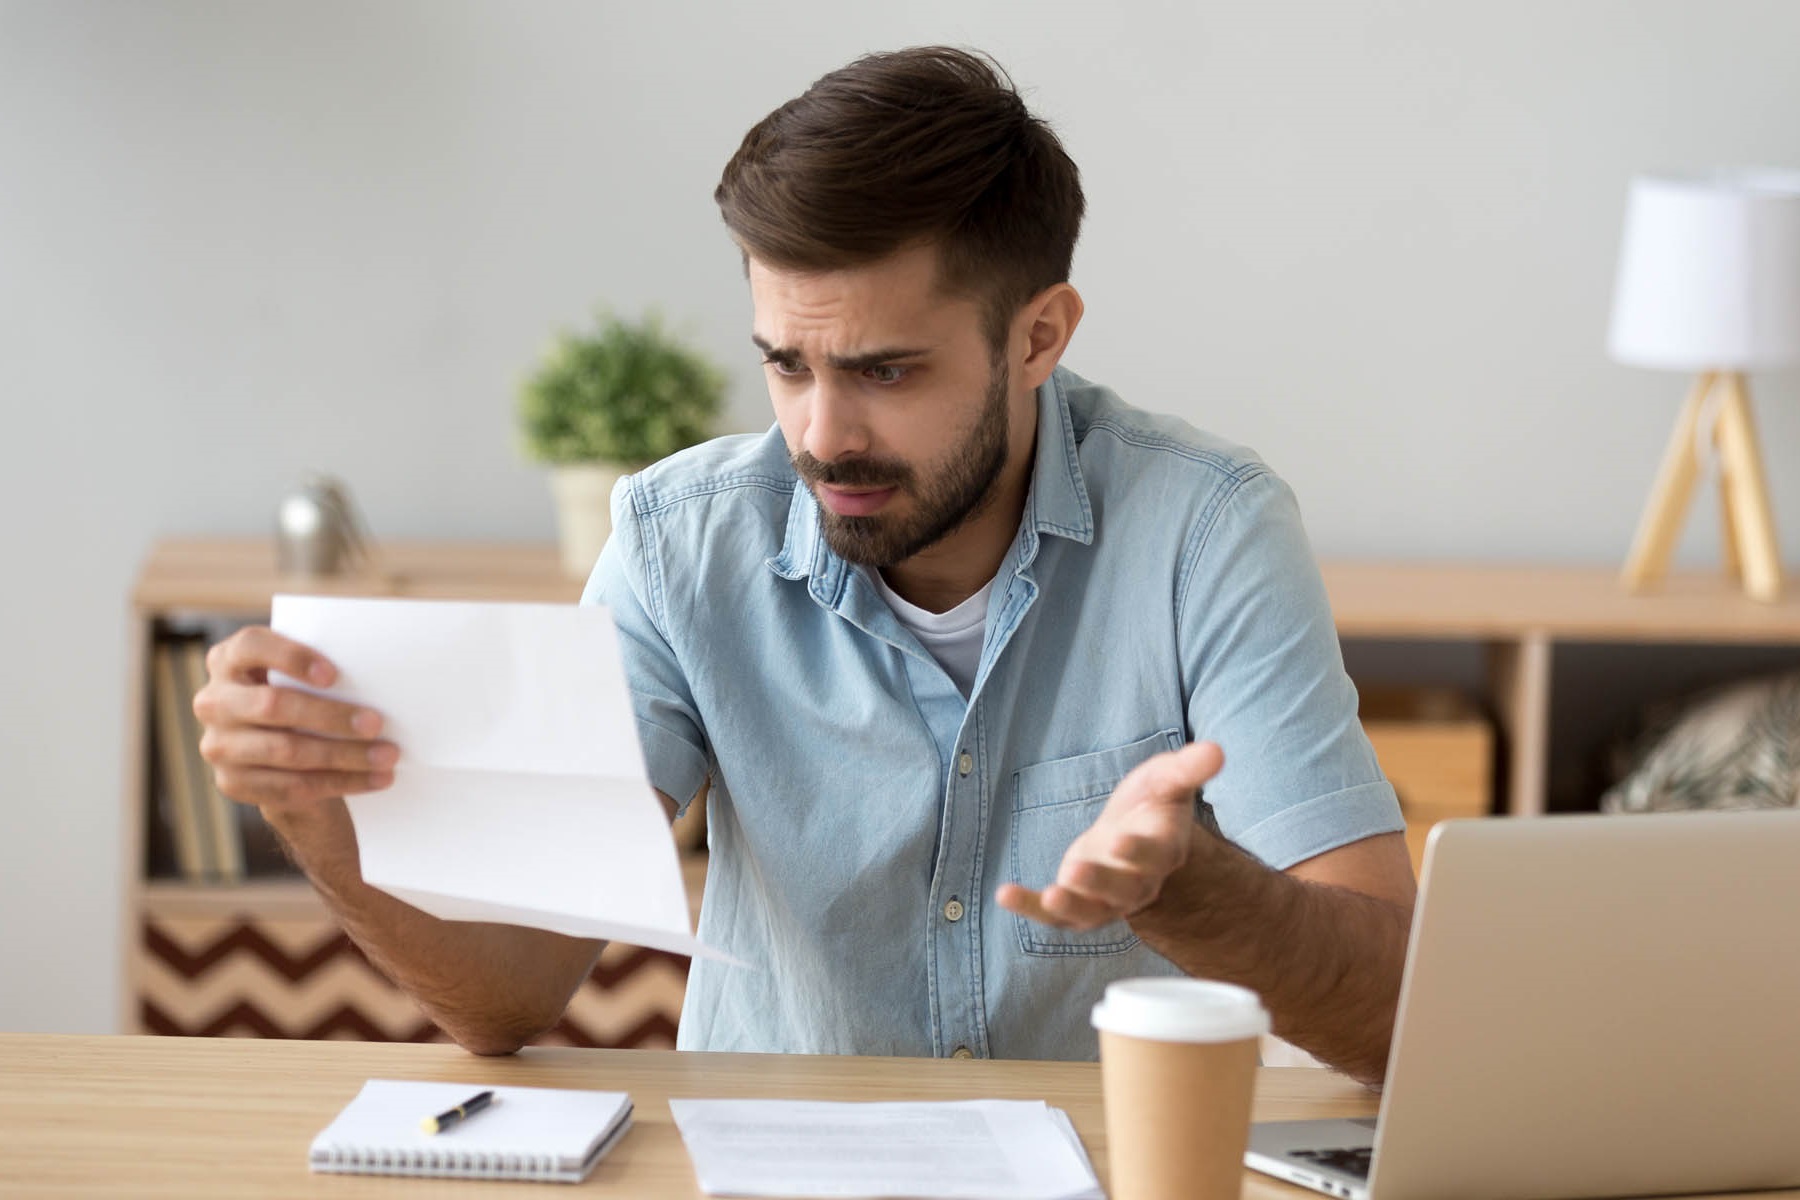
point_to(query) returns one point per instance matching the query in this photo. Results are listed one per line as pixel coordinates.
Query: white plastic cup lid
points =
(1181, 1010)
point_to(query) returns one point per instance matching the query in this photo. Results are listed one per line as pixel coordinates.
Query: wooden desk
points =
(220, 1117)
(203, 1117)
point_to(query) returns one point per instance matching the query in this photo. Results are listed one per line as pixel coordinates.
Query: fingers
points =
(252, 747)
(1055, 906)
(1118, 866)
(1094, 886)
(1143, 835)
(249, 654)
(1119, 888)
(1086, 895)
(270, 707)
(1025, 902)
(1072, 910)
(1174, 776)
(280, 745)
(267, 786)
(277, 767)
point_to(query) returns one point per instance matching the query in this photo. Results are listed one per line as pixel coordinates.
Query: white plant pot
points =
(583, 495)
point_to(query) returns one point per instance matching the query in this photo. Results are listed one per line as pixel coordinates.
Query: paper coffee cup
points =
(1178, 1069)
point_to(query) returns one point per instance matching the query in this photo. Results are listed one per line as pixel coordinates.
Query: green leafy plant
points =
(623, 393)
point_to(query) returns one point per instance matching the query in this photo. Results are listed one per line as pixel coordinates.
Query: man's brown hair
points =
(925, 145)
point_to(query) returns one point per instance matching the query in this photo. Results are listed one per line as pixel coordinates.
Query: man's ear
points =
(1042, 330)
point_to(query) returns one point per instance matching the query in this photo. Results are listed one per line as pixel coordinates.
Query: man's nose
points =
(835, 426)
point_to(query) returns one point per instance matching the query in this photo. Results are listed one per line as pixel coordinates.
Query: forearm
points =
(491, 987)
(1327, 961)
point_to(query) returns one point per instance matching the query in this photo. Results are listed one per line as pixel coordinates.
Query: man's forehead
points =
(894, 279)
(854, 309)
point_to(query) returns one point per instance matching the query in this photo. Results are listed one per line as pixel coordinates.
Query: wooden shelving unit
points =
(1516, 616)
(263, 957)
(1519, 615)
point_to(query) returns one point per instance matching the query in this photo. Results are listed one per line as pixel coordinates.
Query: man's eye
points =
(886, 373)
(784, 366)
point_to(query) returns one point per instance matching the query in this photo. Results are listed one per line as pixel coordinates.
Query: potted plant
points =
(602, 404)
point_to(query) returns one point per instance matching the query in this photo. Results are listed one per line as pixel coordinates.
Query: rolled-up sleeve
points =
(669, 726)
(1265, 679)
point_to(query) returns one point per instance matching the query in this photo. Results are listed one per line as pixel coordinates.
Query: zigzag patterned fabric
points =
(303, 978)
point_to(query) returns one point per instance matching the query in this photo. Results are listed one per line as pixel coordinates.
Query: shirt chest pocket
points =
(1054, 803)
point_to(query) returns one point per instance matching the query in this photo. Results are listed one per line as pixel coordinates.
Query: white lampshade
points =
(1709, 272)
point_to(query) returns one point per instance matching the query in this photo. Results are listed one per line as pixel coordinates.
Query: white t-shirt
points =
(953, 638)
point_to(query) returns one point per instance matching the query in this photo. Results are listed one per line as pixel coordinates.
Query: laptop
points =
(1592, 1006)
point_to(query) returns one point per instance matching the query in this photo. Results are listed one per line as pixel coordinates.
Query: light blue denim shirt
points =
(1160, 589)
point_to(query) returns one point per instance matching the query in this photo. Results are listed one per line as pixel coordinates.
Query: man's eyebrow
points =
(846, 362)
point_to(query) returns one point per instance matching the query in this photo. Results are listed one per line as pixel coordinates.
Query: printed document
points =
(521, 794)
(959, 1150)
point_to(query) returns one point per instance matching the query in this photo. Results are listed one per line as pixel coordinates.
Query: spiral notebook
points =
(553, 1134)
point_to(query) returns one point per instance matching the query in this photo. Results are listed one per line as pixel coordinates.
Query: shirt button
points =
(965, 762)
(962, 1052)
(953, 911)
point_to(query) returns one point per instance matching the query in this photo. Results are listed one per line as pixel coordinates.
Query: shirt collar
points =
(1056, 503)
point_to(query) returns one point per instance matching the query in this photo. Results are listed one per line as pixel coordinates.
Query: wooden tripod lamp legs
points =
(1669, 496)
(1747, 493)
(1749, 522)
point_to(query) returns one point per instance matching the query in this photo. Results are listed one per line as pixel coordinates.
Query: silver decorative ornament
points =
(317, 532)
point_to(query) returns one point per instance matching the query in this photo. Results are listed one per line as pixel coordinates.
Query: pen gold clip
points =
(460, 1113)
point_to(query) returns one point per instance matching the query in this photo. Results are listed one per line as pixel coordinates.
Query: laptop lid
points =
(1598, 1006)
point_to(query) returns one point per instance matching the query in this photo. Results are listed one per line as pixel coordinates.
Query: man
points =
(941, 643)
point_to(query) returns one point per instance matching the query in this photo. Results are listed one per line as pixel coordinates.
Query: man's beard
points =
(945, 501)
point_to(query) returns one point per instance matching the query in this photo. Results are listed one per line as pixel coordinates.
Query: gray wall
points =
(237, 241)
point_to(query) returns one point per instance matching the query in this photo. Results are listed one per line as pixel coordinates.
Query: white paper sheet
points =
(521, 794)
(960, 1150)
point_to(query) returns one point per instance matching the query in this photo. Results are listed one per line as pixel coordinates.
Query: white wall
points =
(237, 241)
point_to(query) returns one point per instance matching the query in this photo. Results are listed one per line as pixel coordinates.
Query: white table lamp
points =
(1709, 282)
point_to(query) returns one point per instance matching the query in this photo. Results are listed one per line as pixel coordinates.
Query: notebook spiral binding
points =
(468, 1163)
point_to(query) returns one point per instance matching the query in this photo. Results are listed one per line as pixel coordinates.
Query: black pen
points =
(461, 1112)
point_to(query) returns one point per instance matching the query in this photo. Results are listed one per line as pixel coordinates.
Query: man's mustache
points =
(851, 472)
